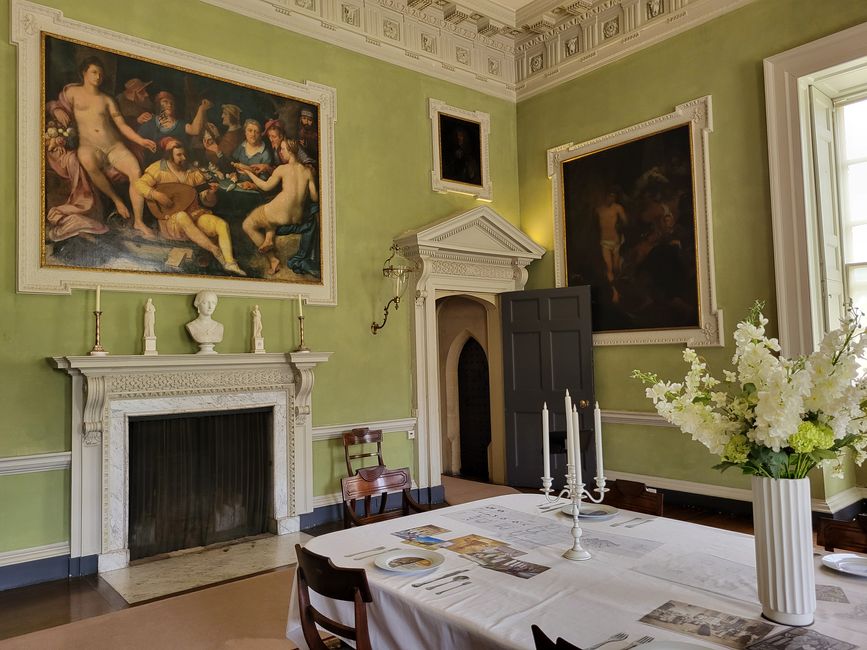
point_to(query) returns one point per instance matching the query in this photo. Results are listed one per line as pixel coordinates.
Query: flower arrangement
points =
(772, 416)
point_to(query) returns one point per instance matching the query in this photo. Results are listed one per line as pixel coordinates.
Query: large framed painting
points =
(143, 167)
(632, 219)
(459, 141)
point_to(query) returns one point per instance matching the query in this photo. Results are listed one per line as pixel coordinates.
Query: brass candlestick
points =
(301, 347)
(98, 350)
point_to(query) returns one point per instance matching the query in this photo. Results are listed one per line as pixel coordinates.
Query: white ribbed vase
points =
(784, 549)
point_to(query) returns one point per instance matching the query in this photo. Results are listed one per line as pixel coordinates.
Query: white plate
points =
(671, 645)
(592, 511)
(410, 560)
(847, 563)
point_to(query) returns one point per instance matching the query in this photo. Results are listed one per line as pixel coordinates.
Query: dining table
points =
(478, 575)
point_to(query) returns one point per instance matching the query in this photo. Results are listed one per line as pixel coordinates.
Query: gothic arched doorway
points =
(474, 404)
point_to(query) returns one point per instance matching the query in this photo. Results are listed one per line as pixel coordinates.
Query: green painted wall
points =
(383, 161)
(34, 509)
(722, 58)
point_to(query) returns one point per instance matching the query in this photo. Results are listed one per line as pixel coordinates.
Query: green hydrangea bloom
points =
(811, 436)
(737, 449)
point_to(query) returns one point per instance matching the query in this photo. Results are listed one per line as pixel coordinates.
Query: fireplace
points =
(108, 393)
(196, 480)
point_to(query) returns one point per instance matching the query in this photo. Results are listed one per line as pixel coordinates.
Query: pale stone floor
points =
(189, 570)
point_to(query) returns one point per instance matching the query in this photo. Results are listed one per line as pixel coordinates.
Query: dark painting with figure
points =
(157, 169)
(460, 150)
(630, 232)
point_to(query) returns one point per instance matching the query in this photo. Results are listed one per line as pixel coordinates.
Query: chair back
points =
(543, 642)
(633, 495)
(358, 437)
(317, 573)
(376, 481)
(848, 535)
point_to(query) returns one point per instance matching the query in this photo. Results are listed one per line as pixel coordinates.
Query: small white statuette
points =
(204, 330)
(150, 337)
(258, 342)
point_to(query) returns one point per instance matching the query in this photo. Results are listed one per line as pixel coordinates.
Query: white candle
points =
(98, 292)
(569, 434)
(576, 427)
(597, 423)
(300, 305)
(546, 448)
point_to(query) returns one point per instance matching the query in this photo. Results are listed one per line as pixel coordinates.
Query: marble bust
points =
(204, 330)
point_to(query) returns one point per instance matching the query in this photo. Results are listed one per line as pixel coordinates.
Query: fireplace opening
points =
(198, 479)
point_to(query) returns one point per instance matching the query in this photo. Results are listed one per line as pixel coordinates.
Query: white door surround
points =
(108, 391)
(477, 253)
(455, 328)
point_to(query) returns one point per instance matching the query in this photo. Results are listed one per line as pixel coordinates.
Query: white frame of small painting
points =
(439, 182)
(32, 26)
(697, 115)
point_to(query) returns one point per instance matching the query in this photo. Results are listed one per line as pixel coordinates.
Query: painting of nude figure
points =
(630, 232)
(156, 169)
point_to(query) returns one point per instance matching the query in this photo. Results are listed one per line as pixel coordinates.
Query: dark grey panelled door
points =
(547, 348)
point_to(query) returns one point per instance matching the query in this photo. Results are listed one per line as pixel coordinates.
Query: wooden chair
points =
(541, 639)
(849, 535)
(318, 573)
(633, 495)
(543, 642)
(376, 481)
(362, 436)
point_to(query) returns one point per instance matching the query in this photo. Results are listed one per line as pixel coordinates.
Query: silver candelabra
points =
(575, 489)
(576, 493)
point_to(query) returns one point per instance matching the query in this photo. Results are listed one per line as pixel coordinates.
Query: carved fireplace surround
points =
(108, 391)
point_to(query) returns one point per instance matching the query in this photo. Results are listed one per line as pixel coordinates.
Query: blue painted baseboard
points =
(46, 570)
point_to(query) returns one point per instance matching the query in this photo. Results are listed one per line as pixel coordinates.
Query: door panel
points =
(547, 348)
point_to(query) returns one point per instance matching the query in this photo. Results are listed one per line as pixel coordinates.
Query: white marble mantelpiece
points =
(108, 390)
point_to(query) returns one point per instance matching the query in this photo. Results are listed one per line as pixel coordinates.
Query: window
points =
(852, 177)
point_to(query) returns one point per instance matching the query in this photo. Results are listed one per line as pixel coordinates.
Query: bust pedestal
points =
(150, 346)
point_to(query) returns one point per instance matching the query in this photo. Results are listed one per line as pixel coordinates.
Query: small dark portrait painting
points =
(460, 150)
(631, 235)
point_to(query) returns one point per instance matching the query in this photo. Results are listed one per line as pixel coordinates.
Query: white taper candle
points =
(300, 305)
(569, 434)
(576, 428)
(597, 425)
(546, 445)
(98, 297)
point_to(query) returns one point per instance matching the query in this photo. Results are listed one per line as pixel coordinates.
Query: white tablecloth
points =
(633, 571)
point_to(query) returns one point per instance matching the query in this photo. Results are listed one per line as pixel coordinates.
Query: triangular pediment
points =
(480, 231)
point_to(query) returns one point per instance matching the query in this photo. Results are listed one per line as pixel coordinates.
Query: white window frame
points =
(787, 79)
(845, 223)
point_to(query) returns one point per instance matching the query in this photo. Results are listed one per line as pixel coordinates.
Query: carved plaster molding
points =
(134, 376)
(303, 364)
(497, 51)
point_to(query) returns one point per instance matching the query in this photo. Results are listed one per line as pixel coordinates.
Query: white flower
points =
(768, 396)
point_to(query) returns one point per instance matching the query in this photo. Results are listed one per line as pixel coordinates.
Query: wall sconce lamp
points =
(398, 269)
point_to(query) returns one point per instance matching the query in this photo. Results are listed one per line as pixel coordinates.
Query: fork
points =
(637, 523)
(625, 521)
(620, 636)
(644, 639)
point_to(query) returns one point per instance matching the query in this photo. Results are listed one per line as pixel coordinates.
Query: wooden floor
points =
(28, 609)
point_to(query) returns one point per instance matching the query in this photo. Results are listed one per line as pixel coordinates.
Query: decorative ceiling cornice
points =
(488, 47)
